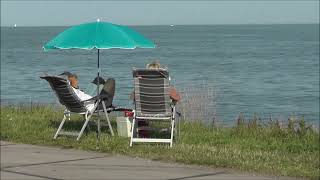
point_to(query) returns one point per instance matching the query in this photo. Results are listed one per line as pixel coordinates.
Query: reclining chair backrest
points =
(65, 94)
(151, 93)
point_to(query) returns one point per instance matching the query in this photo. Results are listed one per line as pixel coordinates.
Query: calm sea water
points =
(267, 69)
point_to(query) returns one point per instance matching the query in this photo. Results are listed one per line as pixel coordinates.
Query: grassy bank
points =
(253, 148)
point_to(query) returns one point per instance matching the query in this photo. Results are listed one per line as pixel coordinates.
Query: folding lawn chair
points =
(74, 105)
(152, 101)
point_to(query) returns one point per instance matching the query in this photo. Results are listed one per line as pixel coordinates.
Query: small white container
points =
(124, 126)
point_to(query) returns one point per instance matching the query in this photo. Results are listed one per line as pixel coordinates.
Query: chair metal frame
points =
(87, 117)
(160, 116)
(87, 114)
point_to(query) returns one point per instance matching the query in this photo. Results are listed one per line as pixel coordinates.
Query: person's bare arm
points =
(174, 95)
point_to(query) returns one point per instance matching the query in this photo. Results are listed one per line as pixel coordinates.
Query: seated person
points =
(108, 89)
(174, 95)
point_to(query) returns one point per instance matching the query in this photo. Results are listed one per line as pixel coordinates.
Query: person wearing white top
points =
(83, 96)
(108, 89)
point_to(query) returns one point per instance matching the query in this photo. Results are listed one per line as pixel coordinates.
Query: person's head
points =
(73, 79)
(154, 65)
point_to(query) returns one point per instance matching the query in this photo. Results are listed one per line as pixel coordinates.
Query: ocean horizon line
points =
(240, 24)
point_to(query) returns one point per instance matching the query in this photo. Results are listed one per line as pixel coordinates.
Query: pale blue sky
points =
(42, 13)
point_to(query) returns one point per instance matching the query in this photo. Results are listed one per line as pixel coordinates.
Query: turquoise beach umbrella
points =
(99, 35)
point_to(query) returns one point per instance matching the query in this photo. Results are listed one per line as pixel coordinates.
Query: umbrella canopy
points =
(99, 35)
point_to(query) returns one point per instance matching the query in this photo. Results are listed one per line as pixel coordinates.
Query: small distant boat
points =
(171, 25)
(15, 25)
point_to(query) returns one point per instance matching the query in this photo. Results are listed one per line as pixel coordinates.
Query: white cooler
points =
(124, 126)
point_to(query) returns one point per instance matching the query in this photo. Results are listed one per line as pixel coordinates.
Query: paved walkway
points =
(21, 161)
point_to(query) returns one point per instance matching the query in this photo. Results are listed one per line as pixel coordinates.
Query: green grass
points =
(268, 150)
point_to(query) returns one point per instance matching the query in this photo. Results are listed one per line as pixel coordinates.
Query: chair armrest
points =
(112, 108)
(101, 96)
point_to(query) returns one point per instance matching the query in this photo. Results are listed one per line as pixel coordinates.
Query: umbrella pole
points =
(99, 131)
(98, 73)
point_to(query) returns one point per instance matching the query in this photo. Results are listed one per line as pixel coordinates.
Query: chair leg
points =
(179, 130)
(172, 131)
(84, 126)
(60, 126)
(88, 129)
(132, 130)
(98, 128)
(108, 120)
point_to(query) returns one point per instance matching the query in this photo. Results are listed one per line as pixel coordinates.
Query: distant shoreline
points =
(11, 26)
